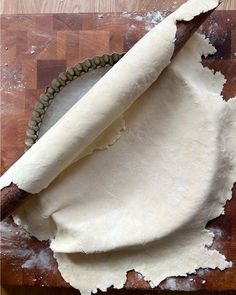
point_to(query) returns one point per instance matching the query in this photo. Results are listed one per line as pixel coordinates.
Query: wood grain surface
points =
(76, 6)
(12, 290)
(34, 50)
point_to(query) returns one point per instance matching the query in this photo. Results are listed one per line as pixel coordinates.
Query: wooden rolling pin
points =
(12, 196)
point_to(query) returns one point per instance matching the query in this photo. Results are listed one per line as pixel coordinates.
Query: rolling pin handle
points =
(11, 198)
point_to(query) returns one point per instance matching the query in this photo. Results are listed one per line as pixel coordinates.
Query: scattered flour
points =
(214, 32)
(202, 272)
(138, 18)
(218, 236)
(45, 40)
(149, 19)
(40, 260)
(15, 243)
(11, 80)
(31, 50)
(187, 284)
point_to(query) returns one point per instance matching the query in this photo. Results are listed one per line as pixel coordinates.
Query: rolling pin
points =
(12, 196)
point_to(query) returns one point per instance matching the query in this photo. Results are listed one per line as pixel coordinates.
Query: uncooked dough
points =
(143, 203)
(106, 101)
(137, 192)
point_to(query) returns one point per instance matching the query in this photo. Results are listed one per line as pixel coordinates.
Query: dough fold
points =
(106, 101)
(170, 172)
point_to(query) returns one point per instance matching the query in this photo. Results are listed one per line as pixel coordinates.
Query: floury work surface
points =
(25, 260)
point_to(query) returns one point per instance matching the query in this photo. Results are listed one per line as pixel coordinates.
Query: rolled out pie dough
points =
(106, 101)
(142, 203)
(170, 172)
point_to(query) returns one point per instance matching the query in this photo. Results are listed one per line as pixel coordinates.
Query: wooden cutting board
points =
(34, 50)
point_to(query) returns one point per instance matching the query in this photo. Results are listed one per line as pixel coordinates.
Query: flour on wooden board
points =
(39, 47)
(12, 80)
(172, 284)
(14, 243)
(146, 19)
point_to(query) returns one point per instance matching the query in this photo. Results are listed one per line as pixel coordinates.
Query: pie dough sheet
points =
(144, 202)
(105, 102)
(178, 255)
(141, 177)
(175, 162)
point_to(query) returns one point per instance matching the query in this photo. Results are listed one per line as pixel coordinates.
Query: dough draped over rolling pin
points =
(105, 102)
